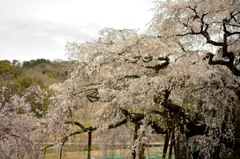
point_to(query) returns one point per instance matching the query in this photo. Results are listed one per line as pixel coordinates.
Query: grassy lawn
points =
(104, 154)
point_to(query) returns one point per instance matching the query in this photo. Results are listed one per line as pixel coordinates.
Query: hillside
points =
(19, 76)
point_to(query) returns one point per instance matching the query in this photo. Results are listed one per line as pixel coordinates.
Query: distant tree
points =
(37, 97)
(33, 63)
(16, 63)
(5, 66)
(7, 70)
(17, 127)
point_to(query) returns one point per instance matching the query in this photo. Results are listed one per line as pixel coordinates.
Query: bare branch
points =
(182, 47)
(196, 16)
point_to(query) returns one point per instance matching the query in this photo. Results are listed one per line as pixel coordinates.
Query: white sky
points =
(31, 29)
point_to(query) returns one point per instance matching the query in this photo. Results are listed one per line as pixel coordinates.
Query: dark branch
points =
(234, 33)
(63, 139)
(195, 129)
(179, 112)
(196, 16)
(134, 118)
(62, 145)
(160, 66)
(233, 16)
(120, 123)
(229, 64)
(157, 128)
(92, 95)
(224, 44)
(182, 47)
(76, 123)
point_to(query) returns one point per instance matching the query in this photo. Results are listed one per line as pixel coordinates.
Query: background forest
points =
(177, 83)
(18, 76)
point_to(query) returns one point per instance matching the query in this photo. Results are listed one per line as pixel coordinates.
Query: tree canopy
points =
(139, 79)
(179, 79)
(210, 26)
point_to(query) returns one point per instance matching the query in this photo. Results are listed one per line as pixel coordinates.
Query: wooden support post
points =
(89, 144)
(177, 144)
(171, 145)
(137, 126)
(165, 147)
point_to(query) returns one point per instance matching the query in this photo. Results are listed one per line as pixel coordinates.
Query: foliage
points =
(210, 27)
(23, 103)
(138, 78)
(180, 79)
(17, 127)
(38, 98)
(203, 25)
(7, 70)
(35, 73)
(33, 63)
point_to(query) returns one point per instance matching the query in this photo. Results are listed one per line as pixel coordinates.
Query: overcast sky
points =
(31, 29)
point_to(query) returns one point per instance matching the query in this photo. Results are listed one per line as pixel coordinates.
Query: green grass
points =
(150, 153)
